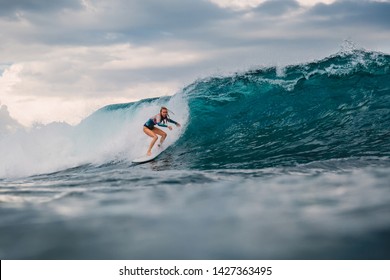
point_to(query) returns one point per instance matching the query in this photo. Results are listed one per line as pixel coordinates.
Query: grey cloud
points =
(10, 8)
(109, 22)
(277, 7)
(202, 27)
(352, 13)
(200, 23)
(142, 21)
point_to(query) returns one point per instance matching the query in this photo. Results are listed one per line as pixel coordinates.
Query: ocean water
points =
(273, 163)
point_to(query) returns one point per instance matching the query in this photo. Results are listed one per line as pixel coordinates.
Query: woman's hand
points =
(178, 125)
(170, 127)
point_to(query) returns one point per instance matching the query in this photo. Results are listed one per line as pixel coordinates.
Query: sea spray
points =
(113, 133)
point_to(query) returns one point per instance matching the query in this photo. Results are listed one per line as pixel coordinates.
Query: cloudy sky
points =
(61, 60)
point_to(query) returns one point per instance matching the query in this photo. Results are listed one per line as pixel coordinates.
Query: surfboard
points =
(146, 158)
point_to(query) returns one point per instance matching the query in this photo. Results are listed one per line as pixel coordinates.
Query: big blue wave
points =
(329, 110)
(335, 108)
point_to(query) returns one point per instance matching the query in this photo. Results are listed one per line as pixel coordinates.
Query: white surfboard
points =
(145, 158)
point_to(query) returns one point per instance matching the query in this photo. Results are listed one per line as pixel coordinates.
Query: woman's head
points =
(164, 112)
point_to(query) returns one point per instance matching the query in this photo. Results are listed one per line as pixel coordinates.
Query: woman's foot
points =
(149, 153)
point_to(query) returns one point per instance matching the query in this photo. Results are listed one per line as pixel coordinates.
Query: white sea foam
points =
(105, 136)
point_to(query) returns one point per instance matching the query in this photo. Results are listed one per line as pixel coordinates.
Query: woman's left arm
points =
(174, 122)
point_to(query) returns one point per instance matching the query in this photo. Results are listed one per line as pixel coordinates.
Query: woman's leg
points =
(154, 136)
(161, 133)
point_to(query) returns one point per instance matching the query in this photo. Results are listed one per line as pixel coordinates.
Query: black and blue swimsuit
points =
(157, 120)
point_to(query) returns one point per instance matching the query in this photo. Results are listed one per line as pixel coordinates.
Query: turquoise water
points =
(272, 163)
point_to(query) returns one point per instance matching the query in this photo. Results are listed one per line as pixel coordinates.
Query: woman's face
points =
(164, 112)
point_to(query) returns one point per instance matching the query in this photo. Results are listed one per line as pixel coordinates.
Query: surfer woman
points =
(160, 119)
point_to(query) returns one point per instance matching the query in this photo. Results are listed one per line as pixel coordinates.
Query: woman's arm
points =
(174, 122)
